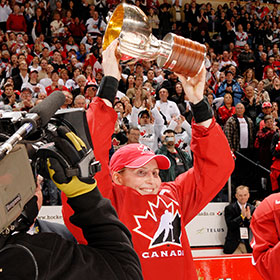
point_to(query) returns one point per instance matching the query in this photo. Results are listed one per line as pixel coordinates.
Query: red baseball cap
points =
(135, 156)
(266, 105)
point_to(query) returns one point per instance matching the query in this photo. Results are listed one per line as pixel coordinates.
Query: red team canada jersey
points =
(157, 222)
(265, 225)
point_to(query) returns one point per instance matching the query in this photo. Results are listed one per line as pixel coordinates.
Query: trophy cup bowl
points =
(130, 25)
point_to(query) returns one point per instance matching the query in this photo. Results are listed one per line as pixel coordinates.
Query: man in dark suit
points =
(22, 76)
(238, 216)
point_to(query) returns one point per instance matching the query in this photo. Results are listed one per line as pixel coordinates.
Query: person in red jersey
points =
(265, 225)
(156, 213)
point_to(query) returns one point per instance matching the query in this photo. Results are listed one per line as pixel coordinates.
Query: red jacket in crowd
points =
(77, 30)
(225, 113)
(51, 89)
(16, 23)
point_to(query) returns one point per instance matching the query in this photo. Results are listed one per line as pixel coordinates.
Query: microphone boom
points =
(39, 117)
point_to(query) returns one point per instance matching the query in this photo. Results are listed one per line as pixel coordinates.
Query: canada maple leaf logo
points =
(142, 133)
(178, 143)
(161, 224)
(115, 142)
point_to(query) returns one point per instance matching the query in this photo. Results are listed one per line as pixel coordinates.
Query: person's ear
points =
(117, 178)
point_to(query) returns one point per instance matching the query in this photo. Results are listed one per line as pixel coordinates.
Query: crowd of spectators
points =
(57, 45)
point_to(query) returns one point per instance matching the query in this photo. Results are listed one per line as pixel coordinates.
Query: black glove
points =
(73, 150)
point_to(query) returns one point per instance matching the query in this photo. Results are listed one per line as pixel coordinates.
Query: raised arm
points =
(101, 116)
(213, 162)
(101, 119)
(194, 89)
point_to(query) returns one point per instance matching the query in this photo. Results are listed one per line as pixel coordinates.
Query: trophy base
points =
(186, 57)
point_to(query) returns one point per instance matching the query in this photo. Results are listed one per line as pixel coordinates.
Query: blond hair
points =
(241, 187)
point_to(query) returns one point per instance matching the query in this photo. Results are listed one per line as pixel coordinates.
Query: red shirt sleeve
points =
(101, 120)
(265, 225)
(213, 164)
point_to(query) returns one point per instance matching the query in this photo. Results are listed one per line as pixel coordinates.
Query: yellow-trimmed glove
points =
(73, 149)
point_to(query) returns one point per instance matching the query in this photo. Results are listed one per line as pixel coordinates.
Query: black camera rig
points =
(21, 169)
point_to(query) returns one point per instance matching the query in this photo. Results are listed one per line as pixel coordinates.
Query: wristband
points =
(242, 217)
(108, 88)
(202, 110)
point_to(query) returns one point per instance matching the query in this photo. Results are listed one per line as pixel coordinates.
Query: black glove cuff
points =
(202, 110)
(108, 88)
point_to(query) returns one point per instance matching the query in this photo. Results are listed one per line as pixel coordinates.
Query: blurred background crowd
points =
(57, 45)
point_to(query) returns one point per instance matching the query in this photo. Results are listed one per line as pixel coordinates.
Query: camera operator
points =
(46, 226)
(109, 253)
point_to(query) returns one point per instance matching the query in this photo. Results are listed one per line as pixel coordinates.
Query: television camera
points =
(28, 139)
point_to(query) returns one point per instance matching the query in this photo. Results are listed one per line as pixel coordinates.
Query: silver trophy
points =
(136, 42)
